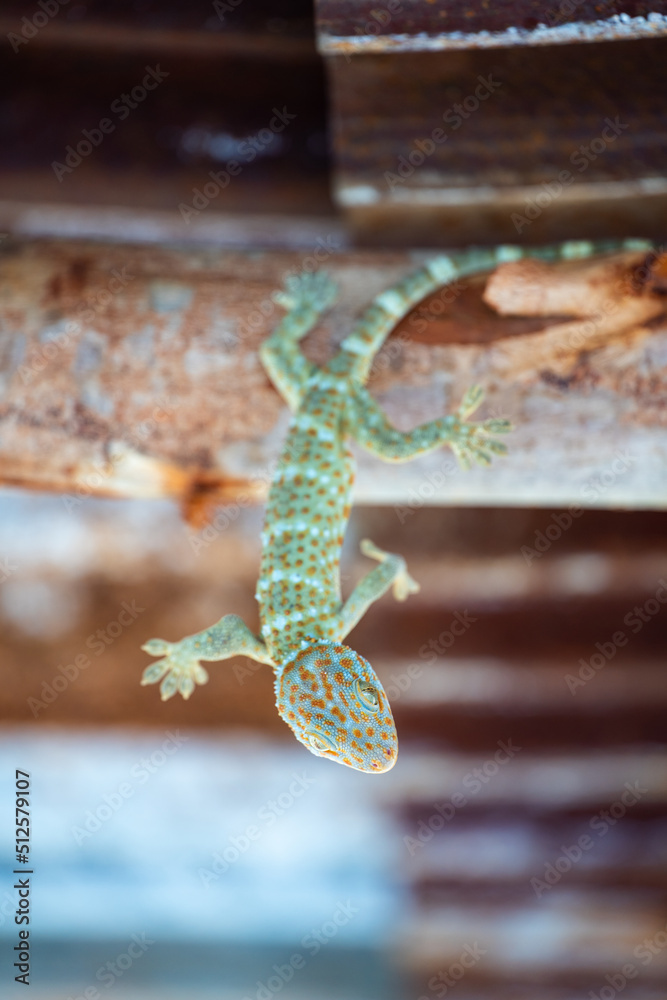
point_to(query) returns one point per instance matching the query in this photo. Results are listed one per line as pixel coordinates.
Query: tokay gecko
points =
(327, 694)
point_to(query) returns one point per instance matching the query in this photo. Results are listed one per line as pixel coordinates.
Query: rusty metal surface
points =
(259, 28)
(133, 371)
(502, 144)
(354, 27)
(239, 104)
(530, 624)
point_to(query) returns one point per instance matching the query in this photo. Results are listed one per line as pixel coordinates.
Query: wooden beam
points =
(493, 144)
(353, 27)
(133, 371)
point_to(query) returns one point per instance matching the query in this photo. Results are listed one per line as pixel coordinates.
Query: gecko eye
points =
(320, 741)
(367, 695)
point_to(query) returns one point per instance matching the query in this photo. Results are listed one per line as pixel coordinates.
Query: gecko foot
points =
(311, 291)
(473, 442)
(402, 585)
(179, 670)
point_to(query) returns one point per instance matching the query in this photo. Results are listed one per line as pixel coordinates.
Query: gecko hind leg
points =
(180, 669)
(306, 297)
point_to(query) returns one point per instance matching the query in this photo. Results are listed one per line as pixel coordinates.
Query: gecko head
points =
(335, 705)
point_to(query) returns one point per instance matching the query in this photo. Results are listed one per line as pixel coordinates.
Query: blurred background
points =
(504, 764)
(518, 849)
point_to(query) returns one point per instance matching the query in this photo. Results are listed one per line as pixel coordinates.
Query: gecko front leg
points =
(306, 296)
(180, 667)
(392, 572)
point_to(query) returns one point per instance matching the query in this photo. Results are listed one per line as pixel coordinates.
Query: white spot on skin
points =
(354, 345)
(392, 302)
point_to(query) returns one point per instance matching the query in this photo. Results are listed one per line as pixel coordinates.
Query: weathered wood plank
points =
(356, 26)
(133, 371)
(487, 144)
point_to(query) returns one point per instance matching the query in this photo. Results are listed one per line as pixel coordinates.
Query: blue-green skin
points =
(329, 695)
